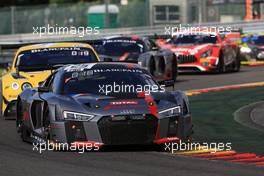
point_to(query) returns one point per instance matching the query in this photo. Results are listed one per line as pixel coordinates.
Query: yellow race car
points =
(32, 64)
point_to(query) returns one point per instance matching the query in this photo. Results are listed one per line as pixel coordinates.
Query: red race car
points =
(203, 52)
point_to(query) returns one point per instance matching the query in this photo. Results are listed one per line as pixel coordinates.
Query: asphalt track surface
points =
(251, 116)
(17, 158)
(257, 114)
(200, 81)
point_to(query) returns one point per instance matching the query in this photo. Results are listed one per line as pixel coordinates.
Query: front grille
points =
(184, 59)
(128, 130)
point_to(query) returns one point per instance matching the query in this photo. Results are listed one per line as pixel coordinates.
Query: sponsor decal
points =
(79, 67)
(119, 41)
(56, 49)
(124, 102)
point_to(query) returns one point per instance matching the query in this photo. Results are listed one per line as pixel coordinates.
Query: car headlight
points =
(26, 86)
(77, 116)
(171, 111)
(245, 50)
(206, 53)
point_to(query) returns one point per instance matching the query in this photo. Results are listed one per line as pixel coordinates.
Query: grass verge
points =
(214, 121)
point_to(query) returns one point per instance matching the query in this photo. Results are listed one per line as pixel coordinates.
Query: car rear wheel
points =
(221, 67)
(161, 65)
(237, 63)
(174, 69)
(1, 99)
(151, 66)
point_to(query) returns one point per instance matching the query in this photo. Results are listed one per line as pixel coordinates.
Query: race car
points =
(203, 52)
(32, 64)
(252, 47)
(103, 103)
(162, 64)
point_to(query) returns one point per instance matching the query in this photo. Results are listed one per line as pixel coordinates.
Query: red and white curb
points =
(229, 156)
(229, 87)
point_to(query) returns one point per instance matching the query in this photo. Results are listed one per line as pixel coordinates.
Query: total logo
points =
(123, 102)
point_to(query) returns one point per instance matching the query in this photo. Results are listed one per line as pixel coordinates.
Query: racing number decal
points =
(80, 53)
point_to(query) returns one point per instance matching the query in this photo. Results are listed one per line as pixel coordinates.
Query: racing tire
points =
(221, 68)
(1, 99)
(151, 66)
(174, 68)
(237, 64)
(161, 66)
(24, 134)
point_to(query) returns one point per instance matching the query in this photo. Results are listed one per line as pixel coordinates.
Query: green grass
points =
(214, 121)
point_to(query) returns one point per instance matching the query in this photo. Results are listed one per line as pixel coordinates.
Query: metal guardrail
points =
(18, 39)
(251, 26)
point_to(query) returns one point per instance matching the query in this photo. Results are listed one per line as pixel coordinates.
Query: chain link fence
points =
(21, 19)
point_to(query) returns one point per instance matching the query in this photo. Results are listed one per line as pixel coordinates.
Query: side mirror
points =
(41, 83)
(43, 89)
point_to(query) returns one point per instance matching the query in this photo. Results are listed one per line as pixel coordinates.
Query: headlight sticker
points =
(15, 86)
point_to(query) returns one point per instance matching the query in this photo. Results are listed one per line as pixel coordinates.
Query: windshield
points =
(120, 47)
(193, 39)
(259, 40)
(41, 59)
(112, 81)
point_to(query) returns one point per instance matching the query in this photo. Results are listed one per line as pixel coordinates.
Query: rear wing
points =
(233, 35)
(234, 30)
(156, 36)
